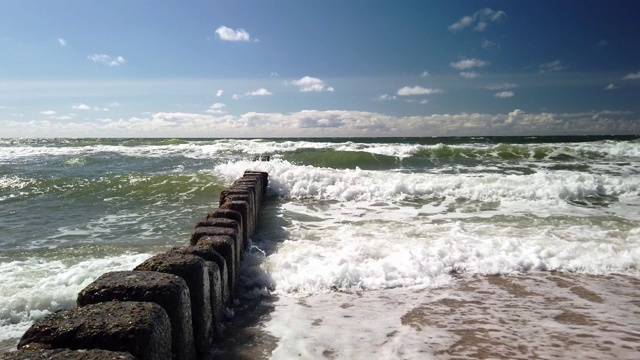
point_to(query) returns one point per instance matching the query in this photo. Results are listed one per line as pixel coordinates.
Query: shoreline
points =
(542, 315)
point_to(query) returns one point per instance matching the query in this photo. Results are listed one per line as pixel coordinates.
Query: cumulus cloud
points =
(468, 64)
(481, 19)
(81, 107)
(217, 108)
(469, 75)
(504, 94)
(228, 34)
(311, 84)
(87, 107)
(417, 90)
(551, 66)
(259, 92)
(386, 97)
(611, 86)
(48, 112)
(106, 59)
(424, 74)
(219, 93)
(332, 123)
(632, 76)
(62, 42)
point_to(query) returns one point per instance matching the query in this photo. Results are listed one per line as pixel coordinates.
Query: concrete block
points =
(242, 194)
(251, 218)
(252, 183)
(262, 174)
(248, 222)
(199, 232)
(167, 290)
(217, 273)
(193, 270)
(142, 329)
(66, 354)
(225, 246)
(234, 226)
(233, 215)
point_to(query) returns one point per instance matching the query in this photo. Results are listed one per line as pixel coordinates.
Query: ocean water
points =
(376, 217)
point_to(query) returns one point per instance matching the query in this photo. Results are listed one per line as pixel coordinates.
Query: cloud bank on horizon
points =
(319, 68)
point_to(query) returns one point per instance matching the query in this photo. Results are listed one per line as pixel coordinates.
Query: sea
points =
(353, 232)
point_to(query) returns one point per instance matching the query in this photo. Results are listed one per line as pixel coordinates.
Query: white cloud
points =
(468, 64)
(501, 86)
(551, 66)
(504, 94)
(311, 84)
(48, 112)
(332, 123)
(417, 90)
(87, 107)
(259, 92)
(217, 108)
(469, 75)
(386, 97)
(489, 45)
(481, 19)
(424, 74)
(632, 76)
(461, 24)
(62, 42)
(219, 93)
(611, 86)
(81, 107)
(106, 59)
(229, 34)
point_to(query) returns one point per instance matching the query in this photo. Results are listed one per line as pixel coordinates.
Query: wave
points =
(289, 180)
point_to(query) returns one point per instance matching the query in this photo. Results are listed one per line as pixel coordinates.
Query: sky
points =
(318, 68)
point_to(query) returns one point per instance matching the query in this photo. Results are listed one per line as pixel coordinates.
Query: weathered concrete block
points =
(248, 222)
(66, 354)
(253, 184)
(233, 215)
(225, 246)
(263, 175)
(167, 290)
(142, 329)
(251, 218)
(242, 194)
(201, 231)
(194, 272)
(217, 223)
(217, 269)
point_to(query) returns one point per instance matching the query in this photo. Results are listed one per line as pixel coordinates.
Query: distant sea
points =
(357, 215)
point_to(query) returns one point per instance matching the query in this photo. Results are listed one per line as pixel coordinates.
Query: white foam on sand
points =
(538, 315)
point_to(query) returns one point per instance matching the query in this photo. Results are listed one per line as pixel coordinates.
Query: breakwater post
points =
(168, 307)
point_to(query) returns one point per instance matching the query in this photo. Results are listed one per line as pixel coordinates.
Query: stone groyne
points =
(171, 306)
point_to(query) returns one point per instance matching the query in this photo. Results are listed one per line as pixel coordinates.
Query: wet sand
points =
(532, 316)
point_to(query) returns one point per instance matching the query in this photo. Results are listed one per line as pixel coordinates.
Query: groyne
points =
(171, 306)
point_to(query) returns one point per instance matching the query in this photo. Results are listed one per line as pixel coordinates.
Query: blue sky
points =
(134, 68)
